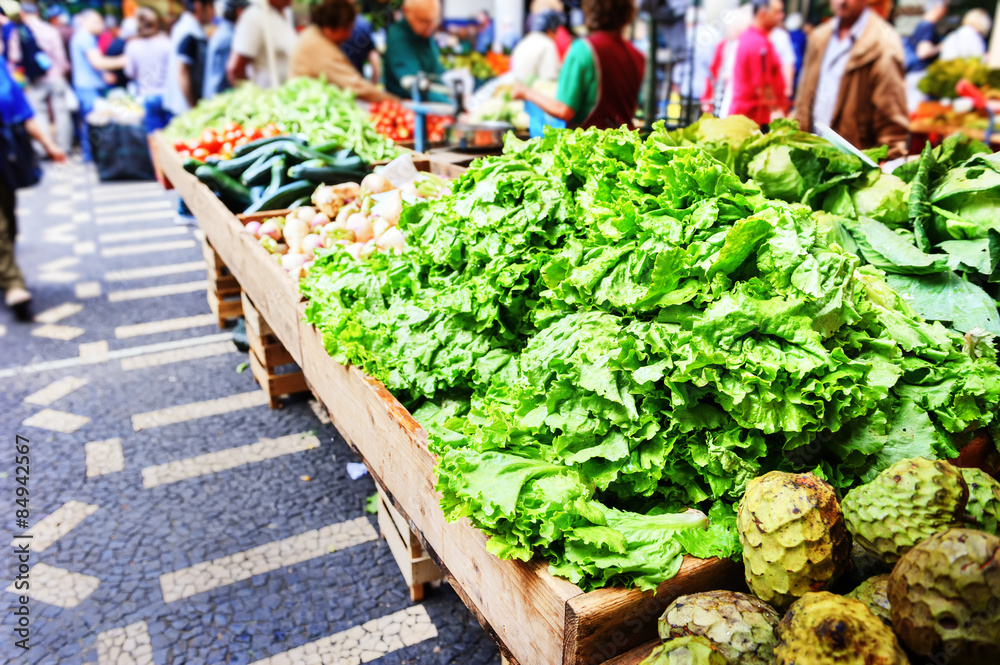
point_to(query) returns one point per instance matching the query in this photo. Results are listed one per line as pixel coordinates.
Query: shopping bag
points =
(18, 161)
(121, 152)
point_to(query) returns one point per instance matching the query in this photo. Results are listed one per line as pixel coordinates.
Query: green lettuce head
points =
(884, 200)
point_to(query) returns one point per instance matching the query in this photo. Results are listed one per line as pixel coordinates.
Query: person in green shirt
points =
(600, 78)
(410, 48)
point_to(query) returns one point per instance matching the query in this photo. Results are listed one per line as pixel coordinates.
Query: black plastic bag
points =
(121, 152)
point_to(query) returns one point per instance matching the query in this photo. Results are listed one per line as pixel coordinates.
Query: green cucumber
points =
(283, 197)
(253, 145)
(232, 193)
(260, 172)
(191, 164)
(328, 175)
(236, 166)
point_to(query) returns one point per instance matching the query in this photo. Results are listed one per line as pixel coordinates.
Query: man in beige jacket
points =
(852, 79)
(317, 51)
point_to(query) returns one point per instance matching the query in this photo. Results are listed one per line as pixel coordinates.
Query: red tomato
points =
(200, 153)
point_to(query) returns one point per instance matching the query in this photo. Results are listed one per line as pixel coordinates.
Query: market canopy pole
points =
(993, 55)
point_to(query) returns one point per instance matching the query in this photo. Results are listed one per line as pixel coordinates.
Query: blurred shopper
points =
(219, 48)
(254, 45)
(783, 46)
(146, 60)
(485, 32)
(410, 48)
(318, 53)
(921, 49)
(702, 40)
(759, 88)
(186, 66)
(718, 95)
(89, 65)
(969, 39)
(536, 56)
(794, 24)
(360, 48)
(109, 34)
(17, 117)
(852, 79)
(128, 30)
(58, 18)
(563, 37)
(584, 97)
(49, 94)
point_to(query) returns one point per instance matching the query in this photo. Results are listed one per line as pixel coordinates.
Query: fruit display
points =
(874, 592)
(478, 65)
(945, 597)
(394, 121)
(793, 536)
(942, 76)
(908, 502)
(689, 650)
(223, 142)
(822, 628)
(319, 112)
(739, 626)
(983, 509)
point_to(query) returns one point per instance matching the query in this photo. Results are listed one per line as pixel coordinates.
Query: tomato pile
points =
(222, 142)
(397, 123)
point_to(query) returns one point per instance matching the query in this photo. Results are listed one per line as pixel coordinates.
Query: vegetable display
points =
(942, 76)
(397, 123)
(319, 112)
(221, 143)
(607, 337)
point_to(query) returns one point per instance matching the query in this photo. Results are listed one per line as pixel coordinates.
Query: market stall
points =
(628, 360)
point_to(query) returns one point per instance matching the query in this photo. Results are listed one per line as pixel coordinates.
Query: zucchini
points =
(236, 166)
(283, 197)
(260, 172)
(191, 164)
(256, 192)
(253, 145)
(327, 175)
(232, 193)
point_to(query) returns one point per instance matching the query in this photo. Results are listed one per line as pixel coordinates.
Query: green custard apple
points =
(740, 626)
(983, 509)
(690, 650)
(823, 628)
(793, 535)
(911, 500)
(945, 598)
(874, 592)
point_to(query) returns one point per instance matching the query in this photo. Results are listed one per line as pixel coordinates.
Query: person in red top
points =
(758, 84)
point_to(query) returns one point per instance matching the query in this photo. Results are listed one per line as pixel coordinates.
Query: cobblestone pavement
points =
(175, 518)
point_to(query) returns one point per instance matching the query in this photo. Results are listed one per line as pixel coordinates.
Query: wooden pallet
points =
(271, 364)
(223, 289)
(416, 565)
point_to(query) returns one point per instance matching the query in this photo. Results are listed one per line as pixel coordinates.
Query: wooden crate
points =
(535, 618)
(223, 291)
(270, 362)
(414, 563)
(636, 655)
(274, 293)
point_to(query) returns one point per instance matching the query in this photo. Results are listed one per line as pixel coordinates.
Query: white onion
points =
(293, 262)
(354, 249)
(379, 226)
(362, 228)
(311, 243)
(253, 228)
(319, 219)
(305, 213)
(374, 183)
(271, 229)
(392, 239)
(391, 206)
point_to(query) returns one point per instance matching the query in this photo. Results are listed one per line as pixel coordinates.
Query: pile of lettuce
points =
(606, 336)
(933, 225)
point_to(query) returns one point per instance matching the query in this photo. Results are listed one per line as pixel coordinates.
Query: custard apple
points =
(911, 500)
(739, 625)
(826, 629)
(945, 598)
(689, 650)
(793, 535)
(983, 509)
(874, 592)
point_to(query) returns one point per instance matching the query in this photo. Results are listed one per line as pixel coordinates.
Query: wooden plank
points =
(154, 156)
(610, 622)
(274, 293)
(276, 385)
(635, 656)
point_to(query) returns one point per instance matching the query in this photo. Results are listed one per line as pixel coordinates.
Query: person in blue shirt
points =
(15, 111)
(486, 32)
(219, 46)
(89, 68)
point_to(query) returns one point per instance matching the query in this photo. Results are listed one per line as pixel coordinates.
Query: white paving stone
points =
(95, 351)
(85, 247)
(88, 290)
(147, 248)
(57, 524)
(128, 645)
(104, 457)
(154, 327)
(230, 458)
(56, 421)
(157, 291)
(185, 412)
(135, 209)
(132, 218)
(80, 217)
(143, 234)
(177, 355)
(154, 271)
(56, 390)
(58, 265)
(53, 331)
(58, 277)
(3, 330)
(226, 570)
(59, 312)
(362, 644)
(56, 586)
